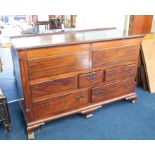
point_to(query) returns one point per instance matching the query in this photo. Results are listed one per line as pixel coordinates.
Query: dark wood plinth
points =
(4, 112)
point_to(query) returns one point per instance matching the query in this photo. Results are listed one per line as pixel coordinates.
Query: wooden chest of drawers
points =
(63, 78)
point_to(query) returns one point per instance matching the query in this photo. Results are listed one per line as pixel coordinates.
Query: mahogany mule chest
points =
(74, 72)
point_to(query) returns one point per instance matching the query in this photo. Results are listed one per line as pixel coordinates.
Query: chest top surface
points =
(68, 38)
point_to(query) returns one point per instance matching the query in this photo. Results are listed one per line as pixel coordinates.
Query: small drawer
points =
(53, 86)
(110, 91)
(89, 79)
(60, 104)
(120, 72)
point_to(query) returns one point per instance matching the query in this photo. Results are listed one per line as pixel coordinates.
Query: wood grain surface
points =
(66, 73)
(148, 54)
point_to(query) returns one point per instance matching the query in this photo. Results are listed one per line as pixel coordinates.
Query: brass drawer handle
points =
(128, 69)
(79, 98)
(36, 88)
(127, 86)
(45, 105)
(99, 93)
(91, 77)
(41, 106)
(110, 73)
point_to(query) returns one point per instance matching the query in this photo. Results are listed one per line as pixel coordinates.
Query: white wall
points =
(91, 21)
(43, 17)
(100, 21)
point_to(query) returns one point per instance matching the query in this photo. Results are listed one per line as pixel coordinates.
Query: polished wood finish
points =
(70, 38)
(112, 90)
(41, 52)
(120, 72)
(140, 24)
(74, 76)
(115, 56)
(60, 104)
(90, 79)
(53, 86)
(59, 64)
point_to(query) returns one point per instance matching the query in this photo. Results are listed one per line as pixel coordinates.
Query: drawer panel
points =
(116, 43)
(51, 51)
(60, 104)
(53, 86)
(113, 90)
(120, 72)
(115, 56)
(90, 79)
(59, 64)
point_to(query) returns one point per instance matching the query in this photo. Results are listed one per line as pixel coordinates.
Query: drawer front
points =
(51, 51)
(90, 79)
(53, 86)
(115, 56)
(116, 43)
(59, 64)
(60, 104)
(120, 72)
(113, 90)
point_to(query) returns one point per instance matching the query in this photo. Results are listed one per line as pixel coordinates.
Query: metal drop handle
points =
(99, 93)
(128, 70)
(91, 77)
(79, 98)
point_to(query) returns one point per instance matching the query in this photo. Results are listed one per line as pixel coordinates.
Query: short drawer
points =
(113, 90)
(60, 104)
(90, 79)
(53, 86)
(120, 72)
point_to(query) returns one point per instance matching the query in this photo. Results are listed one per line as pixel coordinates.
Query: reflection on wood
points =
(140, 24)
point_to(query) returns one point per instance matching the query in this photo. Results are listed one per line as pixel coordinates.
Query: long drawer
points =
(115, 56)
(58, 64)
(53, 86)
(60, 104)
(113, 90)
